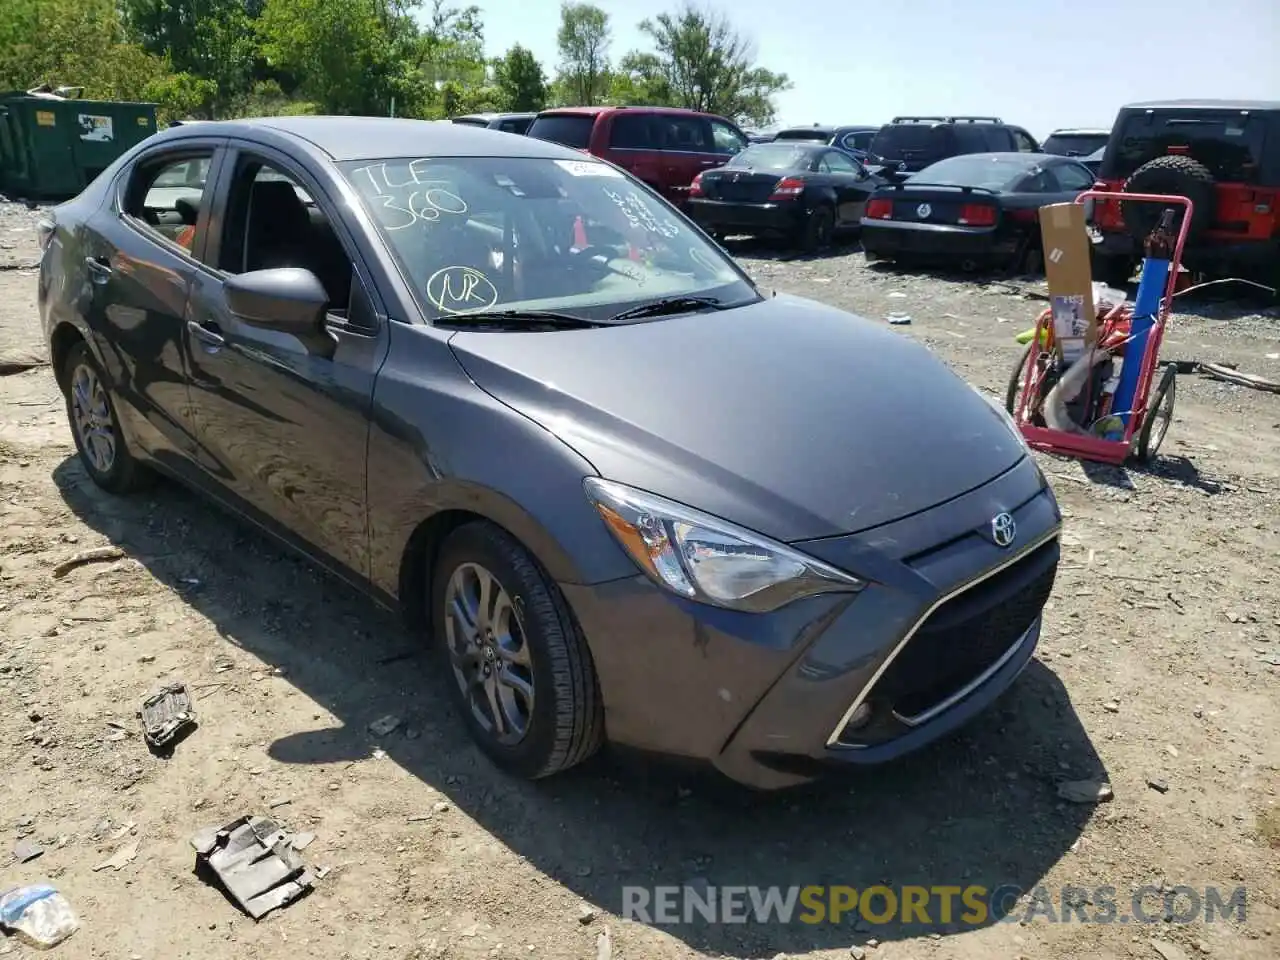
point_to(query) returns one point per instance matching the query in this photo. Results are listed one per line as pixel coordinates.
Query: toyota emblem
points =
(923, 211)
(1004, 529)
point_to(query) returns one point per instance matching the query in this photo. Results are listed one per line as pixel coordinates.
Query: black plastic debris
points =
(167, 716)
(255, 861)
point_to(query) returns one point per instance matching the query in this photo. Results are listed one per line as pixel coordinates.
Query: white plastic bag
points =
(39, 915)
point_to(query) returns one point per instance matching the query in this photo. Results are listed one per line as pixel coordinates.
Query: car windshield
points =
(1226, 142)
(478, 234)
(1074, 144)
(770, 156)
(974, 170)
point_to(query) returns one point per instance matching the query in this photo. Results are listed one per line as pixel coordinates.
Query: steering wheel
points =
(597, 250)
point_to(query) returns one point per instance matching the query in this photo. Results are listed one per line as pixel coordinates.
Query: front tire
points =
(95, 426)
(518, 667)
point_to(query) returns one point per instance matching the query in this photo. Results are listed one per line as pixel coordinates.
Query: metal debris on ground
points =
(94, 555)
(124, 856)
(898, 319)
(24, 851)
(384, 725)
(40, 915)
(1085, 791)
(167, 715)
(256, 861)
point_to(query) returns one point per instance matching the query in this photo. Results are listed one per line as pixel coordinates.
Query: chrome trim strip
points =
(833, 741)
(968, 688)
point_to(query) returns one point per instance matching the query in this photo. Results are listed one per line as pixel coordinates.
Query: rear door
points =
(141, 260)
(910, 147)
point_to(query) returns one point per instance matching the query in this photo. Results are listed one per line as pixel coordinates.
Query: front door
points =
(852, 186)
(283, 425)
(141, 258)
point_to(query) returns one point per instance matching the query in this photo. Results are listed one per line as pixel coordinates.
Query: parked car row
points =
(979, 180)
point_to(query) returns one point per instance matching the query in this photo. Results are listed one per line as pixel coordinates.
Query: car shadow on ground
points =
(980, 808)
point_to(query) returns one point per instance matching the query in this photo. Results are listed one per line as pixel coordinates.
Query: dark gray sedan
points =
(507, 389)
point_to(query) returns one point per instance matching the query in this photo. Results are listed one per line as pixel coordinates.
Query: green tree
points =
(338, 49)
(583, 40)
(640, 80)
(709, 66)
(82, 43)
(521, 84)
(213, 39)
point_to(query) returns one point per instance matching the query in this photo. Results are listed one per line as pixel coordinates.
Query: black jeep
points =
(1223, 156)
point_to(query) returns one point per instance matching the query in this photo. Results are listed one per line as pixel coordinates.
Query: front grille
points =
(967, 635)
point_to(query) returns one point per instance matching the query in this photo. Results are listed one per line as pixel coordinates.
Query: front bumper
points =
(947, 622)
(722, 216)
(894, 238)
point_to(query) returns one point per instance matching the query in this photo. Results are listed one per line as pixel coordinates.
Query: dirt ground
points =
(1158, 673)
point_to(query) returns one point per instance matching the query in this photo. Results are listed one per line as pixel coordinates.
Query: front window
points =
(968, 170)
(518, 233)
(777, 155)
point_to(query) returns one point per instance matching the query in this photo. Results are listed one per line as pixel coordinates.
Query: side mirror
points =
(288, 299)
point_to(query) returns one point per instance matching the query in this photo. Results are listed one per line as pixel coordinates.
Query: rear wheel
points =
(1112, 270)
(1171, 175)
(818, 230)
(1016, 378)
(91, 412)
(519, 669)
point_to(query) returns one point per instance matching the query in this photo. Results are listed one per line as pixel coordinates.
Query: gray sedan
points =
(508, 390)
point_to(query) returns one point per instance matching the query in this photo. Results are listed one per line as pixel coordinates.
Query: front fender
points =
(439, 443)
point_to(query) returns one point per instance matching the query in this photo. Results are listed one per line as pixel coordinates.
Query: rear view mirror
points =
(288, 299)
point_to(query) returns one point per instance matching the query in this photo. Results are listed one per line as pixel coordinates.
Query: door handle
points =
(210, 337)
(99, 268)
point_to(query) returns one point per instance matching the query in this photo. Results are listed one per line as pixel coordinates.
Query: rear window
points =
(568, 129)
(1075, 144)
(519, 125)
(471, 121)
(771, 156)
(992, 173)
(818, 136)
(897, 140)
(1229, 144)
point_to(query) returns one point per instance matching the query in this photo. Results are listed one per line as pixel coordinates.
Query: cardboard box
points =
(1066, 266)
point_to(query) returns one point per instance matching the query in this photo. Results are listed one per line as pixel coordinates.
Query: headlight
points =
(709, 560)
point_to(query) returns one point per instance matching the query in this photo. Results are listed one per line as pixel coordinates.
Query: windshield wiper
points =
(545, 319)
(668, 305)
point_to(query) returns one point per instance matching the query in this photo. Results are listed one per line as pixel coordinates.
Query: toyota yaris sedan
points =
(510, 391)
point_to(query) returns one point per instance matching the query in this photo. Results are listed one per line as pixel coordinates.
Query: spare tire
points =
(1176, 176)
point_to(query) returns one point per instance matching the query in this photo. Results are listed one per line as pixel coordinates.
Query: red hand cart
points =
(1149, 419)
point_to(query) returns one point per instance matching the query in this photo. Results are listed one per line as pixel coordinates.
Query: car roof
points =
(814, 128)
(370, 138)
(491, 115)
(1204, 105)
(1082, 132)
(595, 111)
(811, 145)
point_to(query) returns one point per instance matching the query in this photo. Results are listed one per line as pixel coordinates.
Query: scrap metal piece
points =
(167, 715)
(256, 862)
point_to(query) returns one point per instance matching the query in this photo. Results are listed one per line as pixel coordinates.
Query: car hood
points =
(788, 417)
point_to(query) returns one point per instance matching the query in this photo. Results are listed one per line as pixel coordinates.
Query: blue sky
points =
(1038, 63)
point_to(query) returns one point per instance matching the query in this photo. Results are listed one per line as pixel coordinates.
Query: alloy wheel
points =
(91, 418)
(489, 653)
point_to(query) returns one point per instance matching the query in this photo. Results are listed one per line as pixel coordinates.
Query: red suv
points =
(664, 146)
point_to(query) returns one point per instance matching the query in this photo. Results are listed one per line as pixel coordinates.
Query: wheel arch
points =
(65, 336)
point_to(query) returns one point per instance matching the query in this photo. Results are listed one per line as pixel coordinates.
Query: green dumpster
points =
(51, 148)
